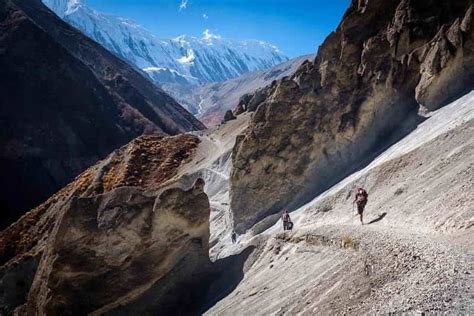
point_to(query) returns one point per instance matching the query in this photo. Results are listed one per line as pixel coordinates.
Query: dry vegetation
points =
(348, 242)
(146, 163)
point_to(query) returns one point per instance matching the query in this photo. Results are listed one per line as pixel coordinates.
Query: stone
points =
(228, 116)
(111, 241)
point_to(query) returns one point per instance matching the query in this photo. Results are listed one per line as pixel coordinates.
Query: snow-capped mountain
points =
(185, 59)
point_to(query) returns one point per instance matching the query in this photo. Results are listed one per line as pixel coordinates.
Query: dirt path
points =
(339, 269)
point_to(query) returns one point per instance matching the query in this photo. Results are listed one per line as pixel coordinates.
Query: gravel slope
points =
(311, 272)
(415, 253)
(212, 161)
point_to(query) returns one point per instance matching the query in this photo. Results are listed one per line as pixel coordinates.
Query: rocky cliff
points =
(413, 255)
(209, 102)
(120, 239)
(66, 102)
(385, 61)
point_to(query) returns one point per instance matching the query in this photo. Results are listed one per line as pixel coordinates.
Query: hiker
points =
(361, 200)
(234, 237)
(287, 224)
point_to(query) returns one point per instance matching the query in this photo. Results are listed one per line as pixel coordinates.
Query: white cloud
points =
(205, 16)
(183, 5)
(207, 35)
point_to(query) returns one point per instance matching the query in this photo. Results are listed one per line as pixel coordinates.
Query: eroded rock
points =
(228, 116)
(120, 238)
(364, 90)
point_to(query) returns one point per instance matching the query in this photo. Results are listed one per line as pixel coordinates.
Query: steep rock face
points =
(363, 90)
(117, 239)
(209, 102)
(64, 94)
(419, 223)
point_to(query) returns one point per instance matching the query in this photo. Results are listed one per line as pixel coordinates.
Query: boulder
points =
(228, 116)
(124, 238)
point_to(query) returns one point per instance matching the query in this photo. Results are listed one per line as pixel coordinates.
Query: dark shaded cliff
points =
(66, 102)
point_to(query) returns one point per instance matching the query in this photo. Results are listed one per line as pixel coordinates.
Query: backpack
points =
(365, 195)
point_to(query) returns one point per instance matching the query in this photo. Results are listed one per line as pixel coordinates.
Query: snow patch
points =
(207, 35)
(219, 58)
(188, 59)
(151, 70)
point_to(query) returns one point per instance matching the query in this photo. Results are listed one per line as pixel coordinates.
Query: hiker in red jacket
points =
(361, 198)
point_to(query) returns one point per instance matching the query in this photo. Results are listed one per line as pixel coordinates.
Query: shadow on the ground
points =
(381, 216)
(230, 271)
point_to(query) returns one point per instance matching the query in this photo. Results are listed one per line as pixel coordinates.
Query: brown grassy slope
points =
(145, 163)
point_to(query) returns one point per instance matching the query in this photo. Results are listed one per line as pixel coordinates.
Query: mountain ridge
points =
(210, 101)
(184, 59)
(78, 105)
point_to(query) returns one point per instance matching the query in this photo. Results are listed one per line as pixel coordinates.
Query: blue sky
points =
(296, 27)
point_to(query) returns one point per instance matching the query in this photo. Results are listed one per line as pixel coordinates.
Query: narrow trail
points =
(350, 268)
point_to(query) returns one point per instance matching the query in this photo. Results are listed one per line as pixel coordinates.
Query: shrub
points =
(348, 242)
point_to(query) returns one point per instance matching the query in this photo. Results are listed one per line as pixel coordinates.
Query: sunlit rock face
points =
(363, 90)
(122, 237)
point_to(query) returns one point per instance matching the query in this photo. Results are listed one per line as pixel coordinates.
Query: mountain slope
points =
(364, 90)
(209, 102)
(413, 255)
(66, 102)
(181, 60)
(130, 235)
(117, 240)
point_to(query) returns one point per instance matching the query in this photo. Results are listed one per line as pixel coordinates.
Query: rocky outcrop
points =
(209, 102)
(413, 255)
(66, 103)
(228, 116)
(122, 238)
(363, 90)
